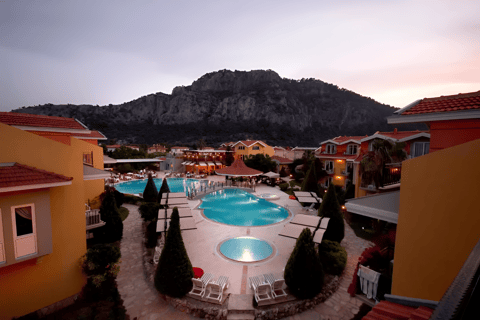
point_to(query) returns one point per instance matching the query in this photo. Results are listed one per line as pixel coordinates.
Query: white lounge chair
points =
(261, 288)
(199, 285)
(156, 255)
(276, 285)
(216, 288)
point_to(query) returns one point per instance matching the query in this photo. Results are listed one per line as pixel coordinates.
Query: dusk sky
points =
(110, 52)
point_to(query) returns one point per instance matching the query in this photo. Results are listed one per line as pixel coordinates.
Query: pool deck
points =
(201, 245)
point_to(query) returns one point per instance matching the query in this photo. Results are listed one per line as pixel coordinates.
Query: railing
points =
(93, 219)
(211, 186)
(390, 176)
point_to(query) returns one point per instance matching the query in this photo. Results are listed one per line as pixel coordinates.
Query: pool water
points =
(138, 186)
(246, 249)
(240, 208)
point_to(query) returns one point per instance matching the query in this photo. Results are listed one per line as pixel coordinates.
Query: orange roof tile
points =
(238, 168)
(345, 138)
(33, 120)
(16, 175)
(458, 102)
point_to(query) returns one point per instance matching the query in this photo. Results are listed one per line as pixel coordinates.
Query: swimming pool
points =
(240, 208)
(138, 186)
(246, 249)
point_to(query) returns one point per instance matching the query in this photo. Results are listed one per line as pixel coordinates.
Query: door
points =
(24, 230)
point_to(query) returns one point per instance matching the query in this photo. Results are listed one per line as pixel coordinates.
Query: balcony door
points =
(24, 230)
(2, 246)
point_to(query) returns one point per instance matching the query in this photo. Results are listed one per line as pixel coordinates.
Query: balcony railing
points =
(391, 176)
(93, 219)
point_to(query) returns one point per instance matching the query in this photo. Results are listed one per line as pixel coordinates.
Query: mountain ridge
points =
(235, 105)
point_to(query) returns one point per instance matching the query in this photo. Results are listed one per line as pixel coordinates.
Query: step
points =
(240, 304)
(240, 316)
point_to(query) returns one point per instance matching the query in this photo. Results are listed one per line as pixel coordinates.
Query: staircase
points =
(386, 310)
(240, 307)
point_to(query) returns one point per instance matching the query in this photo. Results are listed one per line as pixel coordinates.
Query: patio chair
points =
(199, 285)
(216, 288)
(276, 285)
(260, 287)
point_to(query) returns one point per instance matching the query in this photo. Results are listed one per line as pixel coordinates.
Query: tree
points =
(174, 273)
(261, 162)
(163, 189)
(304, 274)
(310, 183)
(330, 208)
(113, 229)
(150, 193)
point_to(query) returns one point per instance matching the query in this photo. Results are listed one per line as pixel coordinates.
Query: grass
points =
(123, 213)
(362, 230)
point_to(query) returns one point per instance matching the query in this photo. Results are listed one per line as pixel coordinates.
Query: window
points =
(88, 158)
(2, 247)
(329, 166)
(24, 230)
(331, 149)
(352, 149)
(420, 149)
(256, 148)
(241, 147)
(328, 180)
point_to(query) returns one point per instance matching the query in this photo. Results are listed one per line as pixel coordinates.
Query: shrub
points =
(333, 257)
(150, 192)
(283, 186)
(299, 176)
(331, 209)
(149, 211)
(163, 189)
(101, 263)
(292, 183)
(119, 197)
(151, 234)
(304, 274)
(113, 229)
(174, 273)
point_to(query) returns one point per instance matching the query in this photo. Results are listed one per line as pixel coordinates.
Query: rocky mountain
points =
(234, 105)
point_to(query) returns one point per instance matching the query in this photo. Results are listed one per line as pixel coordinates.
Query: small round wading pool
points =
(246, 249)
(269, 196)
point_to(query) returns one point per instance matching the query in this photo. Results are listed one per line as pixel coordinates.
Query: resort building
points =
(247, 148)
(282, 163)
(204, 161)
(298, 152)
(178, 151)
(50, 167)
(338, 155)
(157, 148)
(416, 143)
(113, 147)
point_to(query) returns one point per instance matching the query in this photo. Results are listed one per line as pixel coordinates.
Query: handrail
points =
(194, 192)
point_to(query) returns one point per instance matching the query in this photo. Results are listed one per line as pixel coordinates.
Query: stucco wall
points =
(439, 220)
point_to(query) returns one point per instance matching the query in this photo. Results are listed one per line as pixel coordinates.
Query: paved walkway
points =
(141, 298)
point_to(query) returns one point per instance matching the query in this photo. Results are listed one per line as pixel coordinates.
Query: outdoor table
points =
(198, 272)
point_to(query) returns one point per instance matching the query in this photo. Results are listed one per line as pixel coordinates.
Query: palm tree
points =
(373, 165)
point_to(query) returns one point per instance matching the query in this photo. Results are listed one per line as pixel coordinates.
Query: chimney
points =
(395, 131)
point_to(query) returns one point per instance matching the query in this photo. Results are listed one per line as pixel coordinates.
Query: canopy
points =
(238, 169)
(382, 206)
(272, 175)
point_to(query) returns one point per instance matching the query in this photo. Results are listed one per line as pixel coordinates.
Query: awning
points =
(108, 160)
(202, 164)
(91, 173)
(182, 213)
(210, 163)
(184, 163)
(185, 224)
(382, 206)
(271, 175)
(294, 230)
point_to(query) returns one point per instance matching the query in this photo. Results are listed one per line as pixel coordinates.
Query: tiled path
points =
(141, 298)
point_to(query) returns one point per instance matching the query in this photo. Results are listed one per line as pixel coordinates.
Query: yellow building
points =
(247, 148)
(45, 180)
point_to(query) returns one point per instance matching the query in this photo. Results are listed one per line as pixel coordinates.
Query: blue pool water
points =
(240, 208)
(246, 249)
(138, 186)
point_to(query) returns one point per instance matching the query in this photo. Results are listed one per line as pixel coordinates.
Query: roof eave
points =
(435, 116)
(35, 186)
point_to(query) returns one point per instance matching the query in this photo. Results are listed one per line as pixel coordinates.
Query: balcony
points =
(389, 180)
(93, 219)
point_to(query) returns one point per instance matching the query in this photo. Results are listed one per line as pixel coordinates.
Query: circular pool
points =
(268, 196)
(246, 249)
(239, 208)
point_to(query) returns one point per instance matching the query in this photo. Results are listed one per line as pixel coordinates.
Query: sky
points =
(110, 52)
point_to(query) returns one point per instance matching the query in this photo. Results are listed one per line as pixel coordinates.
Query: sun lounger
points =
(260, 287)
(216, 288)
(199, 285)
(276, 285)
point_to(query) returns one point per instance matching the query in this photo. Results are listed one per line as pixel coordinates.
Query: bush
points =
(100, 263)
(292, 183)
(151, 235)
(331, 209)
(299, 176)
(150, 192)
(304, 274)
(333, 257)
(149, 211)
(283, 186)
(119, 197)
(163, 189)
(113, 229)
(174, 273)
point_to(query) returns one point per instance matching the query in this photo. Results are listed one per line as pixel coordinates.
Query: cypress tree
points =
(150, 193)
(163, 189)
(330, 208)
(113, 229)
(304, 274)
(174, 273)
(310, 183)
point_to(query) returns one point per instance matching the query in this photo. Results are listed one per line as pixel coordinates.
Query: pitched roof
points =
(458, 102)
(16, 176)
(398, 135)
(345, 139)
(238, 169)
(92, 135)
(282, 160)
(34, 120)
(249, 143)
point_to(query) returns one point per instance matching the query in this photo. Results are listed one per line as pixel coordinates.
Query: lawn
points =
(123, 213)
